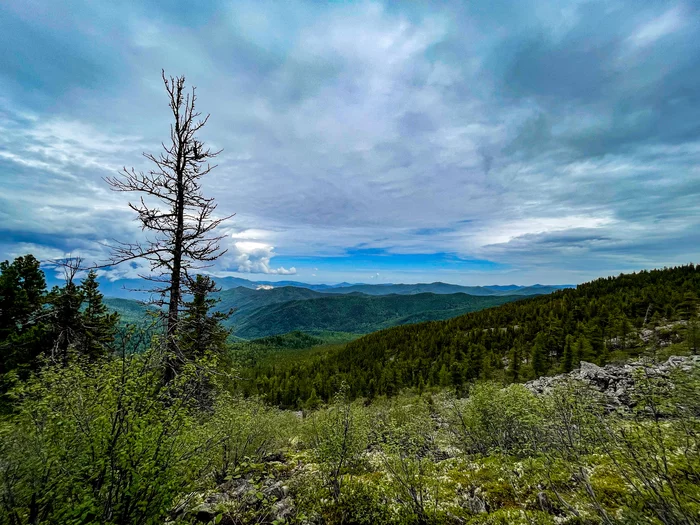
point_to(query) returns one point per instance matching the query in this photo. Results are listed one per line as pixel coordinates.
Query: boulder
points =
(615, 381)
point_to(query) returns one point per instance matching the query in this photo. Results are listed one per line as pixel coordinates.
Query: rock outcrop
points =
(235, 498)
(614, 381)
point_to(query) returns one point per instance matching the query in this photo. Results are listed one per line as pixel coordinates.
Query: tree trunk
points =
(174, 359)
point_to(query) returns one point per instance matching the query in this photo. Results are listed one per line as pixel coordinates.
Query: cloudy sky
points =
(471, 142)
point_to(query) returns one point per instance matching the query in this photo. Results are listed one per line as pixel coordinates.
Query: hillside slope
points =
(129, 310)
(243, 301)
(359, 313)
(266, 312)
(604, 320)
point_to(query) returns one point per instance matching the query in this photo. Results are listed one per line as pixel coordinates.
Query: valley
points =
(260, 308)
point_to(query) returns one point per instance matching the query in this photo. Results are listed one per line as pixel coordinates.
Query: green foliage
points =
(200, 330)
(22, 296)
(105, 442)
(359, 314)
(243, 433)
(338, 437)
(77, 320)
(520, 340)
(103, 439)
(71, 319)
(406, 436)
(98, 324)
(495, 420)
(98, 442)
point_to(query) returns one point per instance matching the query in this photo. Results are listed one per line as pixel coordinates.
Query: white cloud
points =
(252, 234)
(657, 28)
(505, 232)
(254, 257)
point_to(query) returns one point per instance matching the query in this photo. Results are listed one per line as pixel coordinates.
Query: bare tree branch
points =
(182, 226)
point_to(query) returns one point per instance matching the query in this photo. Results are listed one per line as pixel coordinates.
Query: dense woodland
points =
(598, 322)
(38, 324)
(258, 313)
(358, 313)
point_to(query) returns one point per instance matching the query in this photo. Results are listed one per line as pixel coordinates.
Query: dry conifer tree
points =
(179, 219)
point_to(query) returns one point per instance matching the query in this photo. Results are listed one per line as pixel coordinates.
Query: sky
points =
(468, 142)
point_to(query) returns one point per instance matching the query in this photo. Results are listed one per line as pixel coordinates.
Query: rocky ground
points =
(614, 381)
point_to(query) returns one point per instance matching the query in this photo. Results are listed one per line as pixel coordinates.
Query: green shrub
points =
(245, 430)
(494, 419)
(98, 442)
(338, 437)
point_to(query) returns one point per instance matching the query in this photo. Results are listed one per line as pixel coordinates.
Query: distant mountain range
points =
(444, 288)
(125, 288)
(263, 309)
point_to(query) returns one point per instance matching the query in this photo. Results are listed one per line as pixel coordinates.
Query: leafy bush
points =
(495, 420)
(98, 442)
(245, 430)
(338, 439)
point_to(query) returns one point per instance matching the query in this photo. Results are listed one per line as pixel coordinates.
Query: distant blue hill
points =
(133, 288)
(261, 309)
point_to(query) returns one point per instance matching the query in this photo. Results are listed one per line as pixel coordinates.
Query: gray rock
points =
(476, 505)
(615, 381)
(283, 509)
(474, 502)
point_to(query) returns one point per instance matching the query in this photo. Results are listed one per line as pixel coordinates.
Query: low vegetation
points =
(103, 443)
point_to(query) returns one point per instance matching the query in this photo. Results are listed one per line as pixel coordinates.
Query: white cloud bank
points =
(254, 257)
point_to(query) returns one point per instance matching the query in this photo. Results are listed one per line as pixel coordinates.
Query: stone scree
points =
(614, 381)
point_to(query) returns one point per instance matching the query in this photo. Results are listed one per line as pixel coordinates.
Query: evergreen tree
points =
(514, 365)
(443, 376)
(313, 402)
(688, 308)
(64, 319)
(568, 357)
(201, 330)
(581, 350)
(22, 322)
(539, 357)
(98, 325)
(693, 335)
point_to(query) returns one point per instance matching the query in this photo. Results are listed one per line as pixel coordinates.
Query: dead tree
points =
(171, 208)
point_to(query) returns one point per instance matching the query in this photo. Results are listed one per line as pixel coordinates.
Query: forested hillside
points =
(252, 314)
(357, 313)
(241, 301)
(607, 319)
(129, 311)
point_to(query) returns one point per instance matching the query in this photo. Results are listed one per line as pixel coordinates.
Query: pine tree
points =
(693, 335)
(201, 330)
(514, 364)
(313, 401)
(539, 357)
(22, 320)
(582, 350)
(98, 325)
(64, 314)
(568, 357)
(688, 308)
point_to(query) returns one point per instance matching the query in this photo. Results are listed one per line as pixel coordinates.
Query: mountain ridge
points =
(269, 312)
(130, 288)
